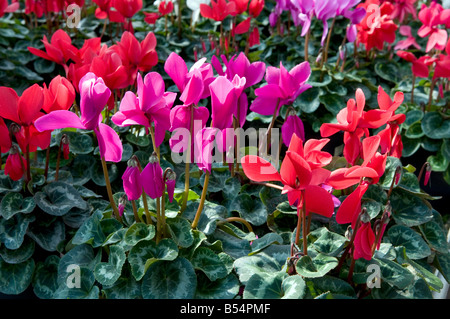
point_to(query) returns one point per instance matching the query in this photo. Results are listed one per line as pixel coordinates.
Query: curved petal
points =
(351, 205)
(109, 143)
(318, 200)
(8, 104)
(259, 170)
(57, 120)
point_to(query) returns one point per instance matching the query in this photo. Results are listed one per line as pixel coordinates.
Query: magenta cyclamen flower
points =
(170, 184)
(282, 86)
(240, 66)
(152, 178)
(94, 95)
(204, 144)
(151, 104)
(292, 124)
(132, 182)
(196, 88)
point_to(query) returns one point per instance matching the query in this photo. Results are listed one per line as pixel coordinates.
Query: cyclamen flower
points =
(282, 88)
(364, 240)
(402, 8)
(409, 41)
(94, 95)
(431, 18)
(132, 182)
(59, 95)
(152, 178)
(418, 66)
(151, 105)
(5, 139)
(7, 8)
(292, 125)
(219, 10)
(15, 165)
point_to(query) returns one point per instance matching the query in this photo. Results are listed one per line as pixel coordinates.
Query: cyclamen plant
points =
(194, 207)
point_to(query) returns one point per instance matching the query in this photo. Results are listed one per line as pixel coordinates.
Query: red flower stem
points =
(299, 223)
(58, 160)
(350, 272)
(271, 125)
(27, 134)
(109, 191)
(305, 242)
(188, 160)
(158, 200)
(349, 246)
(430, 98)
(309, 222)
(202, 202)
(268, 185)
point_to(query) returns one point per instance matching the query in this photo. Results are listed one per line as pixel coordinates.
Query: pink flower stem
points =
(307, 44)
(304, 233)
(327, 44)
(271, 125)
(135, 212)
(27, 134)
(237, 219)
(158, 200)
(430, 98)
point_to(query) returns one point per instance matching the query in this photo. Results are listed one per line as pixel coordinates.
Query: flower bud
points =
(171, 177)
(152, 178)
(65, 144)
(15, 164)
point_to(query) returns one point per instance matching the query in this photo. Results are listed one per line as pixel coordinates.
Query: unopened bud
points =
(364, 216)
(428, 170)
(14, 128)
(153, 158)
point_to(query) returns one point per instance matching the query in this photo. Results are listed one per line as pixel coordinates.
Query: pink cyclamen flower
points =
(292, 124)
(151, 105)
(402, 8)
(170, 184)
(193, 84)
(94, 95)
(405, 30)
(132, 182)
(204, 146)
(152, 178)
(282, 88)
(431, 18)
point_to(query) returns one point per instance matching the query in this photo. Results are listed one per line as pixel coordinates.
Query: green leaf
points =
(265, 241)
(443, 264)
(91, 231)
(232, 245)
(97, 173)
(388, 71)
(329, 243)
(170, 280)
(13, 230)
(108, 273)
(225, 288)
(21, 254)
(416, 247)
(315, 267)
(82, 256)
(410, 146)
(267, 286)
(15, 278)
(87, 288)
(394, 273)
(409, 210)
(434, 126)
(138, 232)
(14, 203)
(414, 131)
(217, 180)
(206, 260)
(438, 162)
(255, 212)
(261, 263)
(181, 231)
(45, 280)
(436, 236)
(47, 235)
(308, 101)
(142, 141)
(8, 185)
(58, 198)
(318, 79)
(43, 66)
(124, 288)
(147, 252)
(413, 116)
(333, 102)
(210, 215)
(392, 163)
(80, 169)
(335, 286)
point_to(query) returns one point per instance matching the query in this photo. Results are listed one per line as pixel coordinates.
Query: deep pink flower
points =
(5, 139)
(94, 95)
(151, 105)
(402, 8)
(282, 88)
(132, 182)
(292, 125)
(152, 178)
(405, 30)
(431, 18)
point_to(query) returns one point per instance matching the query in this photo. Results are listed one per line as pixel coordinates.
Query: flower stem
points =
(135, 212)
(307, 44)
(144, 196)
(47, 160)
(155, 148)
(58, 160)
(109, 191)
(412, 90)
(202, 202)
(327, 45)
(430, 97)
(305, 242)
(237, 219)
(299, 223)
(188, 160)
(271, 125)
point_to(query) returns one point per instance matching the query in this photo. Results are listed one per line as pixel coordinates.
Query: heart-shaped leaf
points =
(14, 203)
(434, 126)
(207, 261)
(138, 232)
(15, 278)
(147, 252)
(315, 267)
(45, 280)
(108, 273)
(170, 280)
(416, 247)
